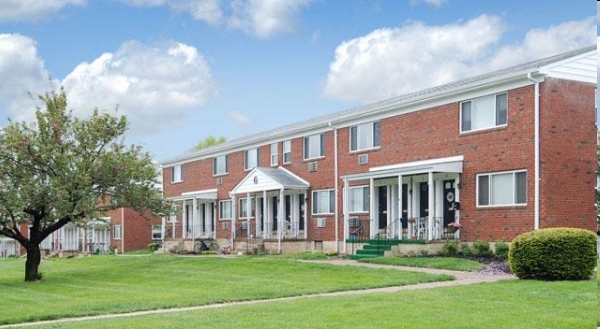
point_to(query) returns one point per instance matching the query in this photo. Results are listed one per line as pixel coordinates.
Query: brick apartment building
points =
(501, 153)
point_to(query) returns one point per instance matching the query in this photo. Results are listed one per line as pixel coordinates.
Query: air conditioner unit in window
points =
(354, 222)
(244, 225)
(219, 180)
(312, 166)
(225, 225)
(321, 222)
(363, 159)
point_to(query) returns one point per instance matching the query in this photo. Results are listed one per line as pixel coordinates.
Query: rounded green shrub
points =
(450, 248)
(501, 250)
(481, 249)
(553, 254)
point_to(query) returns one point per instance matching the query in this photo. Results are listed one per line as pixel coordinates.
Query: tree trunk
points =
(34, 257)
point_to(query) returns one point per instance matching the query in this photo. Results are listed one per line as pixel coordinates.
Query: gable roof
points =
(270, 179)
(569, 65)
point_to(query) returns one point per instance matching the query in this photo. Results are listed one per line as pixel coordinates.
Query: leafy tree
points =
(210, 141)
(63, 170)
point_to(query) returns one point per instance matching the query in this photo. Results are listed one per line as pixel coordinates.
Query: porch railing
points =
(176, 231)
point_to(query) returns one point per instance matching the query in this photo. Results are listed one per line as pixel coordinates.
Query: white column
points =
(457, 199)
(233, 214)
(400, 205)
(279, 220)
(431, 206)
(373, 212)
(265, 215)
(184, 221)
(346, 214)
(248, 214)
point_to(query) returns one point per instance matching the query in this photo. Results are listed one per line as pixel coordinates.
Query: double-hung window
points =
(323, 202)
(251, 159)
(314, 146)
(502, 189)
(176, 173)
(274, 154)
(287, 151)
(225, 211)
(358, 199)
(157, 232)
(220, 165)
(365, 136)
(483, 112)
(117, 234)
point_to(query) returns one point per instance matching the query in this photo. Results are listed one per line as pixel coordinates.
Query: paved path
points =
(462, 278)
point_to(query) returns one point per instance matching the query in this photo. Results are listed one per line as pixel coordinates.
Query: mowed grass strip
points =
(506, 304)
(446, 263)
(110, 284)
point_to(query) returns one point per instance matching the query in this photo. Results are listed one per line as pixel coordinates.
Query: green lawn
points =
(446, 263)
(110, 284)
(506, 304)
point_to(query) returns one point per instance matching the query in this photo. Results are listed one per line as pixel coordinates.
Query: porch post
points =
(265, 214)
(346, 214)
(233, 214)
(457, 199)
(399, 219)
(248, 214)
(279, 220)
(372, 206)
(195, 217)
(256, 221)
(184, 220)
(431, 206)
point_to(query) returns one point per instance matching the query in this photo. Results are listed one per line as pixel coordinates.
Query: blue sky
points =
(182, 70)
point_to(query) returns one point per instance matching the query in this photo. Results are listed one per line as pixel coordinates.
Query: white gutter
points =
(335, 185)
(536, 216)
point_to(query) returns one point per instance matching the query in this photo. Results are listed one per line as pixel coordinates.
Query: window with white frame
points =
(251, 159)
(274, 154)
(314, 146)
(220, 166)
(176, 174)
(323, 202)
(365, 136)
(483, 112)
(225, 207)
(358, 199)
(502, 189)
(117, 234)
(156, 232)
(287, 151)
(244, 207)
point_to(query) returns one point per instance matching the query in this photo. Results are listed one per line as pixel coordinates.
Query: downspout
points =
(335, 184)
(536, 216)
(122, 230)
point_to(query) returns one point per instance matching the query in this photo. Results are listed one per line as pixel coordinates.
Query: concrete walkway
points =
(462, 278)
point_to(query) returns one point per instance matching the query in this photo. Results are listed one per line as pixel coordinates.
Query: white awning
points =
(270, 179)
(440, 165)
(202, 195)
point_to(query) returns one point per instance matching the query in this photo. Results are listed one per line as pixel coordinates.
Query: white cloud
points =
(240, 118)
(266, 18)
(208, 11)
(17, 10)
(435, 3)
(391, 62)
(23, 76)
(153, 86)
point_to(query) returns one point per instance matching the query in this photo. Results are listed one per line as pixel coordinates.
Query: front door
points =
(424, 199)
(449, 198)
(383, 207)
(404, 215)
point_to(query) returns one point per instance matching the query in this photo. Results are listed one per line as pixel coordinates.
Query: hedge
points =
(554, 254)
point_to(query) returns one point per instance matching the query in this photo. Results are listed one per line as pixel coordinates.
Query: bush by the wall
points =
(466, 250)
(553, 254)
(501, 250)
(481, 249)
(153, 246)
(450, 248)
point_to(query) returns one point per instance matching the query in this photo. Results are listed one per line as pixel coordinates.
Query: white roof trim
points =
(444, 165)
(203, 194)
(257, 181)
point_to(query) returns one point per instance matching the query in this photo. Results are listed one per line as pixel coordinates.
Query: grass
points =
(110, 284)
(506, 304)
(597, 296)
(446, 263)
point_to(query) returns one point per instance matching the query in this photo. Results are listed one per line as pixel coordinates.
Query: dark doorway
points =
(301, 210)
(383, 205)
(449, 198)
(424, 199)
(404, 214)
(275, 207)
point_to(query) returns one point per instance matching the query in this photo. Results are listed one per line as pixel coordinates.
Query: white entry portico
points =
(272, 203)
(408, 198)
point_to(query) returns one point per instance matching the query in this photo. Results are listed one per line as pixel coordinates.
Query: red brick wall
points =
(434, 133)
(136, 231)
(568, 149)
